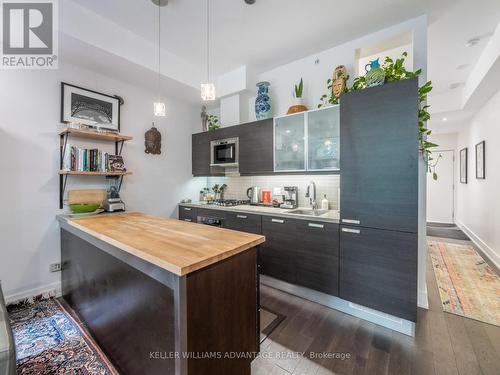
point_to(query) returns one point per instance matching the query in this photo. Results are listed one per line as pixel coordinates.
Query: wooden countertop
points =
(176, 246)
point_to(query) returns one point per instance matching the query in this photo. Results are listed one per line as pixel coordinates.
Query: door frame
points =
(453, 186)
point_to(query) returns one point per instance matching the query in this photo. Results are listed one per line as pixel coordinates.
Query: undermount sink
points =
(309, 212)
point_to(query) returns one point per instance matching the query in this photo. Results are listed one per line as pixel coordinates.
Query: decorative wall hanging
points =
(339, 81)
(480, 161)
(91, 108)
(152, 141)
(463, 165)
(375, 76)
(263, 101)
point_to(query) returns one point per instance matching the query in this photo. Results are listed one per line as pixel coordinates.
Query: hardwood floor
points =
(443, 344)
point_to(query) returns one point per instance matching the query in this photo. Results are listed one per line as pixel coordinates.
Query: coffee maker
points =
(290, 197)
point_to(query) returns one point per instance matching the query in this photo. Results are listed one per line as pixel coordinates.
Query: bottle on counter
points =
(324, 203)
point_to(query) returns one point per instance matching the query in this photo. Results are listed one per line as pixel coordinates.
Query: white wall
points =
(317, 68)
(29, 146)
(478, 202)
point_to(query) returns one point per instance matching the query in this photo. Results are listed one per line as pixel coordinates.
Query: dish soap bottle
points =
(324, 203)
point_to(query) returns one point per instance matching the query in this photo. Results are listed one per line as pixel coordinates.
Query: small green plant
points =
(395, 71)
(213, 123)
(299, 89)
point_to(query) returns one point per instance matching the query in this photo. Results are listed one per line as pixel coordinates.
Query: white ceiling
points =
(264, 35)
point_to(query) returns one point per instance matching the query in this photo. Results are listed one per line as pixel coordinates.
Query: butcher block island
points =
(163, 296)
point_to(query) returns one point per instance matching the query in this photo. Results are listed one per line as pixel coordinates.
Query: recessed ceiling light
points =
(462, 66)
(445, 119)
(472, 42)
(456, 85)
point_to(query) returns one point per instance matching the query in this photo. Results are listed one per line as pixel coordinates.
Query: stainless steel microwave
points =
(224, 152)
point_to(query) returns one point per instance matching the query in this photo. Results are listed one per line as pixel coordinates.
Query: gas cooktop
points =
(229, 202)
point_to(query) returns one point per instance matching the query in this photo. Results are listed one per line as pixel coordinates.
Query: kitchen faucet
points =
(312, 198)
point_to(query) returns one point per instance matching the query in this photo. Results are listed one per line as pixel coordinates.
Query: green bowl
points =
(81, 208)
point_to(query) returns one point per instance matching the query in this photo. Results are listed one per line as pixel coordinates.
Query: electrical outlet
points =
(55, 267)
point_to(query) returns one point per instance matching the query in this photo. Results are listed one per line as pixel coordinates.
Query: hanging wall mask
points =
(152, 141)
(339, 83)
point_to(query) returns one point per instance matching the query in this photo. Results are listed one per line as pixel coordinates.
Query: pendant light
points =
(208, 89)
(159, 106)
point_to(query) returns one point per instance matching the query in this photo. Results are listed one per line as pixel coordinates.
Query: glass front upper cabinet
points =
(323, 135)
(289, 143)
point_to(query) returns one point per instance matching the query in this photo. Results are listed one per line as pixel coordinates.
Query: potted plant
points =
(299, 105)
(213, 123)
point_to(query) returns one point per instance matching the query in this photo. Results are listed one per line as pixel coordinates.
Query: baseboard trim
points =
(49, 290)
(488, 251)
(423, 299)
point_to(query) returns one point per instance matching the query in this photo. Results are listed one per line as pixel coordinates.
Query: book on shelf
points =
(91, 160)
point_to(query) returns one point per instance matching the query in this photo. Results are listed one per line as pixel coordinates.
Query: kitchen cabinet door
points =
(289, 143)
(316, 256)
(277, 254)
(256, 147)
(378, 269)
(201, 154)
(379, 157)
(188, 214)
(323, 132)
(243, 222)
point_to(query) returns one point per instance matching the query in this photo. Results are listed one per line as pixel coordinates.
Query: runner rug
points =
(468, 286)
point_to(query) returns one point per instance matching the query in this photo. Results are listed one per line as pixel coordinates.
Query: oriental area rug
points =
(468, 286)
(50, 341)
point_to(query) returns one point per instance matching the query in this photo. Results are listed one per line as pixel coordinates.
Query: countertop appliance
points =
(253, 193)
(224, 152)
(290, 197)
(113, 202)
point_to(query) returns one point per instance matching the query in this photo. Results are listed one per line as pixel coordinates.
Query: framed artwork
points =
(463, 165)
(91, 108)
(480, 161)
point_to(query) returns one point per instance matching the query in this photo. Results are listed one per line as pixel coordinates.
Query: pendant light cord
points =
(208, 40)
(159, 51)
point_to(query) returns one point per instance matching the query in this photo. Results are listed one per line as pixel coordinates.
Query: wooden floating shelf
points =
(107, 136)
(80, 173)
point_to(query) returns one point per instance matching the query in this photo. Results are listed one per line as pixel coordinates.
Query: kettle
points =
(253, 194)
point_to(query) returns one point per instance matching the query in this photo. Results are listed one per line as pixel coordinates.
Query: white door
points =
(440, 192)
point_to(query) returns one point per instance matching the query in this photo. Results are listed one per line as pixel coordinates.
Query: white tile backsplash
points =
(325, 184)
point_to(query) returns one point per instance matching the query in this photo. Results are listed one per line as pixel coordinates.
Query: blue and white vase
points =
(263, 101)
(375, 76)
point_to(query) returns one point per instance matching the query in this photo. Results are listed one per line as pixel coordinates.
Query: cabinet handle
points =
(278, 221)
(314, 225)
(348, 230)
(241, 216)
(187, 209)
(188, 220)
(350, 221)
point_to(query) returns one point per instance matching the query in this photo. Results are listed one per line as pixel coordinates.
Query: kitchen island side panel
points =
(129, 313)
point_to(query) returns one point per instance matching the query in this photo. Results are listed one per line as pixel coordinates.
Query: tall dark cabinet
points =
(379, 198)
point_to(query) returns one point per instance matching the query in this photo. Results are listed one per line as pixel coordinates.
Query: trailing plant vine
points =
(395, 71)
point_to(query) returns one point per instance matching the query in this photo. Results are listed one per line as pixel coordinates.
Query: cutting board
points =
(86, 196)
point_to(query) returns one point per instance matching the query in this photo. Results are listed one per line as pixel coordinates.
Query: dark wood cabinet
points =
(256, 147)
(188, 213)
(201, 154)
(301, 252)
(379, 157)
(243, 222)
(378, 269)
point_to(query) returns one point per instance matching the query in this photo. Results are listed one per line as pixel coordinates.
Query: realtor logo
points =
(29, 34)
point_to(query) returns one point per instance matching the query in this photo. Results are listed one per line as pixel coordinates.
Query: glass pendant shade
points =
(208, 91)
(159, 109)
